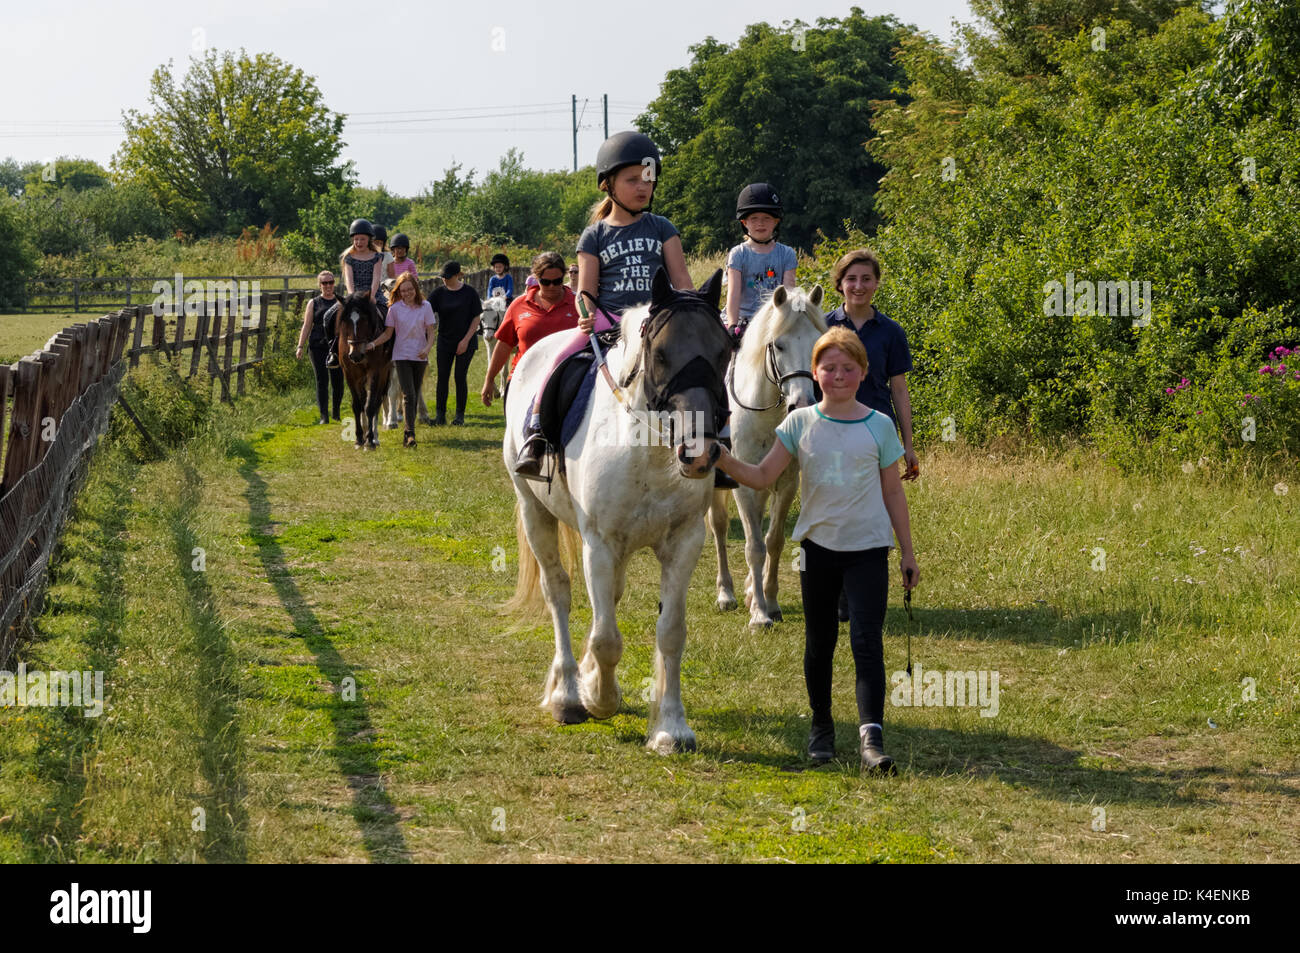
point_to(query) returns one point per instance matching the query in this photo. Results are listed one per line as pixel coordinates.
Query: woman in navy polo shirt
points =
(857, 276)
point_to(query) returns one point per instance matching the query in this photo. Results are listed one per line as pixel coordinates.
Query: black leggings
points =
(864, 575)
(410, 375)
(447, 356)
(325, 377)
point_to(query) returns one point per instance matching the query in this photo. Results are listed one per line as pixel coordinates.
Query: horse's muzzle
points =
(697, 467)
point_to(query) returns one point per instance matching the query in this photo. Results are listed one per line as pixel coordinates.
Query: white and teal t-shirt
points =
(841, 503)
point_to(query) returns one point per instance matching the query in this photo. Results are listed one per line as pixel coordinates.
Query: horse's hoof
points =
(665, 744)
(776, 615)
(727, 603)
(570, 714)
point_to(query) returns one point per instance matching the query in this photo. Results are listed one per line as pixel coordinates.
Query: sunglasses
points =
(327, 283)
(550, 281)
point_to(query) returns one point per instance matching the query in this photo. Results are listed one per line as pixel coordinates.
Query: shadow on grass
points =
(372, 809)
(1050, 769)
(216, 690)
(1037, 626)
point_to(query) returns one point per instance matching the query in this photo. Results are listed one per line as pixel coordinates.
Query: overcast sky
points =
(423, 84)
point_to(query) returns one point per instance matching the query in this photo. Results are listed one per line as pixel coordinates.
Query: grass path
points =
(323, 569)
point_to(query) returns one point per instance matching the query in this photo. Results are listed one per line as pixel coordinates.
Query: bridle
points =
(772, 371)
(697, 372)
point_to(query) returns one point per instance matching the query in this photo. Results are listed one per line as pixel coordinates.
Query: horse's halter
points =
(374, 334)
(697, 372)
(772, 371)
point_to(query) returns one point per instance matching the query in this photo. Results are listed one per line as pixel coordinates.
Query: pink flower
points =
(1266, 369)
(1169, 390)
(1199, 412)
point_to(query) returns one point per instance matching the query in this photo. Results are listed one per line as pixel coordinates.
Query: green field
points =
(1121, 690)
(21, 334)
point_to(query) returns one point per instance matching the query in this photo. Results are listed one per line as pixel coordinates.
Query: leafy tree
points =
(243, 140)
(1110, 166)
(323, 232)
(18, 258)
(76, 175)
(13, 175)
(513, 204)
(788, 105)
(381, 206)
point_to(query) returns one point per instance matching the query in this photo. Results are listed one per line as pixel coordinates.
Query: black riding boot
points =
(821, 740)
(873, 752)
(532, 454)
(332, 355)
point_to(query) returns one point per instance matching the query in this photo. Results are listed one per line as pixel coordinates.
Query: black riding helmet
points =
(499, 257)
(622, 150)
(759, 197)
(400, 241)
(381, 233)
(361, 227)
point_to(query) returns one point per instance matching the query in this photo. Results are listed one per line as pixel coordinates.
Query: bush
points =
(173, 410)
(281, 371)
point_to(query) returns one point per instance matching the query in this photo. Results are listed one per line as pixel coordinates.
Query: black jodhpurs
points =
(410, 375)
(447, 357)
(864, 576)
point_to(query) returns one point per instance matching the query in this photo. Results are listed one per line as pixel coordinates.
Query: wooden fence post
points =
(136, 337)
(200, 334)
(264, 310)
(22, 436)
(232, 318)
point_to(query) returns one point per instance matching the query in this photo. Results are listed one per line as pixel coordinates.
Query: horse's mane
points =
(770, 323)
(629, 342)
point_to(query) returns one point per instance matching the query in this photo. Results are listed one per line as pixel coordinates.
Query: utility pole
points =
(575, 132)
(606, 98)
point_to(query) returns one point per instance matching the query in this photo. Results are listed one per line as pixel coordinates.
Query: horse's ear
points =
(816, 296)
(711, 290)
(780, 296)
(661, 289)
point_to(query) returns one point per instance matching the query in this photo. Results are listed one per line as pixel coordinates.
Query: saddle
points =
(567, 394)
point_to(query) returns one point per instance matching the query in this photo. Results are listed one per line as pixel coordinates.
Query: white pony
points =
(494, 309)
(623, 494)
(770, 376)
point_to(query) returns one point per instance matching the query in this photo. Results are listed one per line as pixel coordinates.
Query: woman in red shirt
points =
(545, 308)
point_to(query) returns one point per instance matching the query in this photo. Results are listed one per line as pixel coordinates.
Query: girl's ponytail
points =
(601, 209)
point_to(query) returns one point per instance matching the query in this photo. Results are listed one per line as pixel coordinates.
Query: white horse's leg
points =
(560, 694)
(598, 684)
(392, 403)
(782, 499)
(751, 504)
(719, 524)
(421, 408)
(667, 730)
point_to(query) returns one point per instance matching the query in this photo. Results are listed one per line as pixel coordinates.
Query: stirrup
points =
(530, 461)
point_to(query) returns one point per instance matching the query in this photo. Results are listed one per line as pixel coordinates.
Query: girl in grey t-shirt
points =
(760, 263)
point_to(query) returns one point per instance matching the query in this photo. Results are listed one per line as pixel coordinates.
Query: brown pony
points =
(367, 374)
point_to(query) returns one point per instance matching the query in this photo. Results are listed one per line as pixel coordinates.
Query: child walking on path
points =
(851, 496)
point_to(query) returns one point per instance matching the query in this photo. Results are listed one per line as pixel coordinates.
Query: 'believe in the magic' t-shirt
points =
(841, 503)
(629, 256)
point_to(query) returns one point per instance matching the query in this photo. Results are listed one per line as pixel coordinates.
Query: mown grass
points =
(325, 568)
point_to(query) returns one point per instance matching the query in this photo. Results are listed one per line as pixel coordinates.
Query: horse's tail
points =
(528, 583)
